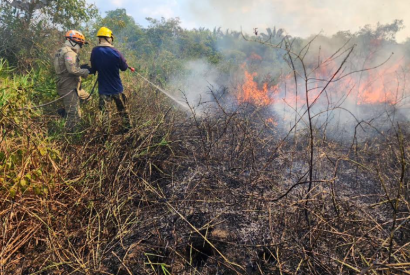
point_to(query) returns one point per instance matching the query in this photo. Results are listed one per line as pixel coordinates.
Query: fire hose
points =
(45, 104)
(181, 103)
(61, 97)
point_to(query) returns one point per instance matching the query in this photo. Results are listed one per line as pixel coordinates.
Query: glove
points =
(132, 69)
(85, 66)
(83, 95)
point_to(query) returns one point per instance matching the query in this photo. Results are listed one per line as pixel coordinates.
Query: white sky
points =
(298, 17)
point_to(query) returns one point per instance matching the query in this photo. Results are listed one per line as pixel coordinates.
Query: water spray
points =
(179, 102)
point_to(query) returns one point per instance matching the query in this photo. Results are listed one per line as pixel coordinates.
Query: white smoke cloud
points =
(300, 17)
(195, 83)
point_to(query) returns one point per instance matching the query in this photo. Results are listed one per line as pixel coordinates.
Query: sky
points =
(300, 18)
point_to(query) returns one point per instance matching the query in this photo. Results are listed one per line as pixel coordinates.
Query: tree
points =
(28, 27)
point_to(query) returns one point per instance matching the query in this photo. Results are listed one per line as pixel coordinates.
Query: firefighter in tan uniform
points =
(69, 73)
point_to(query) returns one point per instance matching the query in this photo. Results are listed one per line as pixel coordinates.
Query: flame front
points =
(375, 86)
(249, 91)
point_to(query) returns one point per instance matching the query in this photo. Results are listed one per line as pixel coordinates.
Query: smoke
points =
(195, 83)
(347, 90)
(299, 17)
(366, 88)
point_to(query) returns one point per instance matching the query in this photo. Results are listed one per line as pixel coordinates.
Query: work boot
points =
(61, 112)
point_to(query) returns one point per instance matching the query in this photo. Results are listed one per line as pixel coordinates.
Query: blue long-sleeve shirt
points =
(108, 61)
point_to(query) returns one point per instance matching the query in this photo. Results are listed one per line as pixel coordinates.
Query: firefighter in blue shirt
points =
(108, 61)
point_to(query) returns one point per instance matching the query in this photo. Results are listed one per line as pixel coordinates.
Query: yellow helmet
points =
(104, 32)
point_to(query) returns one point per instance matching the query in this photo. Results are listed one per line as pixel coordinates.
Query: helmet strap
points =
(73, 44)
(106, 39)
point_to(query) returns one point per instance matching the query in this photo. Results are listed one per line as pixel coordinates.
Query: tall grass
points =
(59, 199)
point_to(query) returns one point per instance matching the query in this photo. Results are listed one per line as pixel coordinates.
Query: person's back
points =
(107, 62)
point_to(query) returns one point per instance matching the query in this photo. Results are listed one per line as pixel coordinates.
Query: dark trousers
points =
(120, 102)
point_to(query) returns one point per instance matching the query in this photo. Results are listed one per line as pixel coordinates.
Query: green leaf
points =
(37, 190)
(12, 192)
(2, 157)
(42, 151)
(38, 173)
(23, 183)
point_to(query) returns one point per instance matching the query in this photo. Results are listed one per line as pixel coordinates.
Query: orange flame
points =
(382, 87)
(271, 121)
(249, 91)
(374, 86)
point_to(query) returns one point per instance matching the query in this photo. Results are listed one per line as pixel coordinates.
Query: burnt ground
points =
(225, 193)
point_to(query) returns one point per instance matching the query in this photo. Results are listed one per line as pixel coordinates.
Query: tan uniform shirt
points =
(67, 67)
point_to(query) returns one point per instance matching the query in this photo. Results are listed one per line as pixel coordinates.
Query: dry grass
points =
(220, 193)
